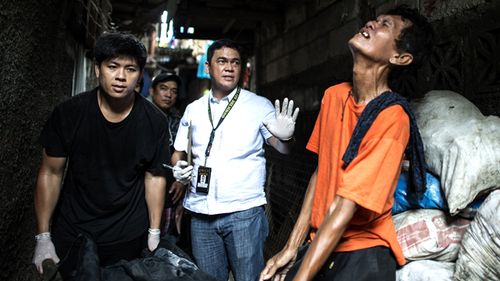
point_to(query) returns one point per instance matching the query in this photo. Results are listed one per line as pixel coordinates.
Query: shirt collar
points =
(226, 98)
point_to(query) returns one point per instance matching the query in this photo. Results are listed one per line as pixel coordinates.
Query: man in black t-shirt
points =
(113, 143)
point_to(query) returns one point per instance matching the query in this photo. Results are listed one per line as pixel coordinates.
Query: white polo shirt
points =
(237, 154)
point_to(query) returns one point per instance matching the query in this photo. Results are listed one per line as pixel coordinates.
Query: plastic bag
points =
(470, 211)
(404, 200)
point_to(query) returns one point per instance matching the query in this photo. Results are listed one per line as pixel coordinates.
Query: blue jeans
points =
(234, 240)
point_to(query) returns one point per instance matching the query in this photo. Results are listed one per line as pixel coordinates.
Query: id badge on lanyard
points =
(203, 179)
(204, 172)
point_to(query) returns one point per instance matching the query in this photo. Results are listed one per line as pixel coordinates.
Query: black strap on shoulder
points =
(414, 150)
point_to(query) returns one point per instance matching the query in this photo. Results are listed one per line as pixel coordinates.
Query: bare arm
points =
(287, 255)
(177, 189)
(301, 228)
(176, 156)
(283, 147)
(335, 223)
(155, 186)
(48, 188)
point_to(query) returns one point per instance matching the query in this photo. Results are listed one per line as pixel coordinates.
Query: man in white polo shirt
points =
(225, 192)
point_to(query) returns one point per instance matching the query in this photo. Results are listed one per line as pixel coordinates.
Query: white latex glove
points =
(153, 238)
(44, 249)
(182, 172)
(284, 125)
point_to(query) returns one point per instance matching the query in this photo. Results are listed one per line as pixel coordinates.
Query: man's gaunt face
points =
(165, 94)
(224, 69)
(118, 76)
(377, 39)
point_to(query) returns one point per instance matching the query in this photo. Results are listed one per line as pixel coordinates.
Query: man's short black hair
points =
(115, 44)
(221, 43)
(416, 39)
(164, 77)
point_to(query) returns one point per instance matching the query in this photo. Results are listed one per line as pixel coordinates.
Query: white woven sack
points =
(429, 234)
(479, 256)
(444, 106)
(426, 270)
(471, 165)
(461, 146)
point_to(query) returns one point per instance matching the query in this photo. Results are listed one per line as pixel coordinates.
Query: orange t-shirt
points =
(369, 180)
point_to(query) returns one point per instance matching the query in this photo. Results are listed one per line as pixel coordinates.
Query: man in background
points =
(164, 91)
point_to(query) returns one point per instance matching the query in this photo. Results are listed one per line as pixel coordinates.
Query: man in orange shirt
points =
(361, 134)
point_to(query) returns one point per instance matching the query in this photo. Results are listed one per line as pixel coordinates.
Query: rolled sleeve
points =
(181, 140)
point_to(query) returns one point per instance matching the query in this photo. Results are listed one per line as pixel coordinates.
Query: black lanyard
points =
(224, 114)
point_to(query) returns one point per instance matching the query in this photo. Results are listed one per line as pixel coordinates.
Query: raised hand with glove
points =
(44, 249)
(283, 126)
(182, 172)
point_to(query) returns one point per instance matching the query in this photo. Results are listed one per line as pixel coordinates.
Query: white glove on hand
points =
(153, 238)
(44, 249)
(182, 172)
(284, 125)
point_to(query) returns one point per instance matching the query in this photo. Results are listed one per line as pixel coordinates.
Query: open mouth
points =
(364, 33)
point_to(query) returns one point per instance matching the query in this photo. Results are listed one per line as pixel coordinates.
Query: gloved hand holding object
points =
(44, 249)
(182, 172)
(283, 126)
(153, 238)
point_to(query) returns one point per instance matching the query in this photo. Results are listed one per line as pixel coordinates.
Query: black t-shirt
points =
(103, 190)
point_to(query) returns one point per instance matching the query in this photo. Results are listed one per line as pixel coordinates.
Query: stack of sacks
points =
(462, 147)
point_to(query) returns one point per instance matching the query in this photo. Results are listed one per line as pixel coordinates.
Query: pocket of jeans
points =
(247, 214)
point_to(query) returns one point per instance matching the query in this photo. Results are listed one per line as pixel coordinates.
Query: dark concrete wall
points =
(36, 73)
(308, 52)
